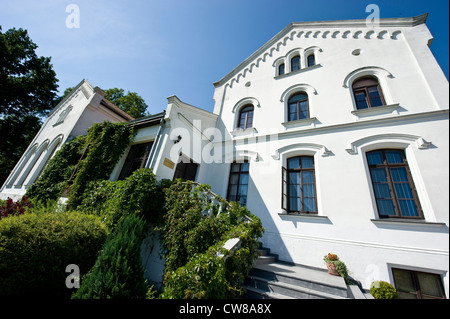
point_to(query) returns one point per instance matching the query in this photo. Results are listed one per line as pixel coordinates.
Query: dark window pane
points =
(307, 162)
(394, 157)
(408, 208)
(430, 284)
(243, 179)
(403, 281)
(295, 63)
(308, 190)
(375, 97)
(281, 69)
(311, 60)
(293, 163)
(361, 102)
(245, 166)
(382, 191)
(375, 158)
(309, 205)
(308, 177)
(386, 207)
(298, 97)
(403, 190)
(378, 175)
(399, 174)
(294, 178)
(235, 167)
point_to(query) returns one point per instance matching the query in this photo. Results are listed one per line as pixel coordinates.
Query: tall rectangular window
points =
(238, 183)
(299, 185)
(393, 186)
(136, 159)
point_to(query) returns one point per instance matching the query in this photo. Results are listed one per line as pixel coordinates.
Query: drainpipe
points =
(155, 145)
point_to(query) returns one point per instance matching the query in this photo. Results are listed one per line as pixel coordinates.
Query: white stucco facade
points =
(336, 134)
(73, 116)
(414, 119)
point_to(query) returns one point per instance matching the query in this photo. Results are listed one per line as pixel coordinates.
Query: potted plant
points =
(335, 266)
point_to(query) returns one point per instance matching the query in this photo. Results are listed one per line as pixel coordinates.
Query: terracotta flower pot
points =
(332, 269)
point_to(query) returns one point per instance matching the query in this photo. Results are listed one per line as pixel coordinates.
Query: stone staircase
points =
(273, 279)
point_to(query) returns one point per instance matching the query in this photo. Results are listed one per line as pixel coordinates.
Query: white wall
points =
(416, 120)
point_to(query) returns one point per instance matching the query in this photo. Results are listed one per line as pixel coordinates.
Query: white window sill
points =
(247, 132)
(310, 122)
(379, 110)
(316, 66)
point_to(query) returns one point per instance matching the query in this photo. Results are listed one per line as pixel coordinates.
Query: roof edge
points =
(384, 22)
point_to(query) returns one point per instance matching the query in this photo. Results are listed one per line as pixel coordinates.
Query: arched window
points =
(281, 69)
(299, 185)
(246, 117)
(393, 186)
(367, 93)
(311, 60)
(295, 63)
(298, 107)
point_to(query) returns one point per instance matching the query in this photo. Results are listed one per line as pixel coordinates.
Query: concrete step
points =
(274, 289)
(279, 278)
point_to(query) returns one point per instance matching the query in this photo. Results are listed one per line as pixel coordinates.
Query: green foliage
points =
(29, 83)
(36, 248)
(131, 103)
(28, 87)
(57, 172)
(139, 194)
(383, 290)
(118, 271)
(105, 143)
(194, 231)
(340, 265)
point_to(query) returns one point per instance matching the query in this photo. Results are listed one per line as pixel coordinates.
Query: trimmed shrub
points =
(118, 271)
(383, 290)
(36, 248)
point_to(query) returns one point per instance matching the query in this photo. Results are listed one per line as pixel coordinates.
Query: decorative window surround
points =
(405, 139)
(380, 110)
(300, 123)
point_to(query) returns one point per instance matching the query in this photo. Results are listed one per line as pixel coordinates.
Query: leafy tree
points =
(131, 103)
(27, 93)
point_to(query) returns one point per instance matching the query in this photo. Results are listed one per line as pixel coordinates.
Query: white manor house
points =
(334, 133)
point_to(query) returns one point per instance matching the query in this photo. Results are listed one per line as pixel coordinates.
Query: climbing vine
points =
(194, 232)
(82, 160)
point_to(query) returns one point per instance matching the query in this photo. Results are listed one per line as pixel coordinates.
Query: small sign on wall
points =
(167, 162)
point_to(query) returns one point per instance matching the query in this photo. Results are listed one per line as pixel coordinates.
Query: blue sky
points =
(159, 48)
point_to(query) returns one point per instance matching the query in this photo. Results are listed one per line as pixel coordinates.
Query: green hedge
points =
(36, 248)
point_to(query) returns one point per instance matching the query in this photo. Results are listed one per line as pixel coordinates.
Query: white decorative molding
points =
(367, 70)
(236, 155)
(403, 139)
(298, 88)
(248, 100)
(311, 147)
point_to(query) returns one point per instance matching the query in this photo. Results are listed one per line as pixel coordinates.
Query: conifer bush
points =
(118, 272)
